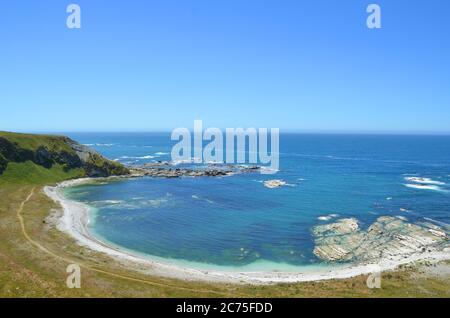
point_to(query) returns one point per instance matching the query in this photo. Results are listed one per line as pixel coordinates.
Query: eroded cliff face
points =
(47, 151)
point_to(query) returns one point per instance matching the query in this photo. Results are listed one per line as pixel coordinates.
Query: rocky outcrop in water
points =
(155, 170)
(388, 237)
(176, 173)
(271, 184)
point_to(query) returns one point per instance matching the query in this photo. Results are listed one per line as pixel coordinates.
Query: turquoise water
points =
(237, 223)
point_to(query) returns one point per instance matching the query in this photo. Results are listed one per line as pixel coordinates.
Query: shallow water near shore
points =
(236, 223)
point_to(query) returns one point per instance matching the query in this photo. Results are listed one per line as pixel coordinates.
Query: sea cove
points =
(236, 224)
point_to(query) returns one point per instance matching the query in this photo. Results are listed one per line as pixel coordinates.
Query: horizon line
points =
(283, 131)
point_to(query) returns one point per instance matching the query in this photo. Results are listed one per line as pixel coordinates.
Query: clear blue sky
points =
(160, 64)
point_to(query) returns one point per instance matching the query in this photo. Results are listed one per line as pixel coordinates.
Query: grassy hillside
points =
(34, 141)
(31, 173)
(42, 159)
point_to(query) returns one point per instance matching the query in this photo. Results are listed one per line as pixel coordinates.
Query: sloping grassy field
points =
(31, 173)
(33, 141)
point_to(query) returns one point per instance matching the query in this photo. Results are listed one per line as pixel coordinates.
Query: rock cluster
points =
(274, 183)
(388, 237)
(178, 172)
(155, 170)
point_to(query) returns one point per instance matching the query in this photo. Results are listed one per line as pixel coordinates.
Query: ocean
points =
(236, 223)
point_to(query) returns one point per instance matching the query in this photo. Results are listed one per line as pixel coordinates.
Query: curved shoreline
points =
(75, 219)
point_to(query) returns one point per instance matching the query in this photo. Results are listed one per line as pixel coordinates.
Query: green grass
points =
(32, 141)
(113, 167)
(31, 173)
(25, 155)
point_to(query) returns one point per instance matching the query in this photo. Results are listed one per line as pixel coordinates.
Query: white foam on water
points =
(214, 162)
(268, 169)
(446, 225)
(106, 202)
(424, 187)
(99, 145)
(142, 157)
(328, 217)
(424, 180)
(190, 160)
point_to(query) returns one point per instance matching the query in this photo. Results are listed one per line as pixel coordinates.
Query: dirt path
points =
(87, 267)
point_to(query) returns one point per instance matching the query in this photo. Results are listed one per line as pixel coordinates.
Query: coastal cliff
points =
(30, 157)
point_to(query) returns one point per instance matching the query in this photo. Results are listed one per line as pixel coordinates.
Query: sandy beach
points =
(74, 221)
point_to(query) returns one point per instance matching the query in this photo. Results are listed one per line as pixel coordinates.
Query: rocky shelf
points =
(388, 237)
(156, 170)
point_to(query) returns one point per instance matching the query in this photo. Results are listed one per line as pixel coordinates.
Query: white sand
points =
(75, 218)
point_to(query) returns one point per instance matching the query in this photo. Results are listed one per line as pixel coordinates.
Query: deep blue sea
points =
(236, 222)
